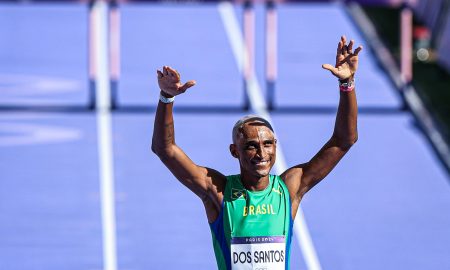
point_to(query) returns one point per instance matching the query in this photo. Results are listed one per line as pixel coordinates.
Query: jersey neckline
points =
(258, 192)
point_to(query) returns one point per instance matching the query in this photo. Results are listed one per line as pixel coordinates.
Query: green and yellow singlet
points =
(254, 228)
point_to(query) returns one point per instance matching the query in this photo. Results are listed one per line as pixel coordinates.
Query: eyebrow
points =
(254, 140)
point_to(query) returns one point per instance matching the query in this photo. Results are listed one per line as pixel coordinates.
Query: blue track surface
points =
(49, 194)
(43, 52)
(384, 206)
(189, 37)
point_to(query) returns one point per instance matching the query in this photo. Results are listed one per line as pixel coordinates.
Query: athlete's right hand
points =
(169, 82)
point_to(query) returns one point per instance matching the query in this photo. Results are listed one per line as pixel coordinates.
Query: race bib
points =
(258, 253)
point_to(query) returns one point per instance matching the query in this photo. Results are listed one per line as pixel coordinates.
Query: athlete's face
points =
(255, 147)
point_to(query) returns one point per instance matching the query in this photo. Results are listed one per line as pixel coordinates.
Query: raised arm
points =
(206, 183)
(301, 178)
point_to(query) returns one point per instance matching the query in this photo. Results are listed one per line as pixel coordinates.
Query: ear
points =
(234, 151)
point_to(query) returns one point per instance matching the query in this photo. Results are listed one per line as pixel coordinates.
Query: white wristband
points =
(166, 100)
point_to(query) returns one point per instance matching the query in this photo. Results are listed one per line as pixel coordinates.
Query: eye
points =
(250, 146)
(268, 143)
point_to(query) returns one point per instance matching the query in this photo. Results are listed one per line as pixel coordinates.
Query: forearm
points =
(163, 130)
(345, 130)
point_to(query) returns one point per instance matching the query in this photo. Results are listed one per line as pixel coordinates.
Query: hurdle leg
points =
(114, 51)
(91, 57)
(406, 22)
(249, 57)
(271, 52)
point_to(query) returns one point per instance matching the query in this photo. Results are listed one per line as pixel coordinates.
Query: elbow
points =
(351, 141)
(153, 148)
(161, 151)
(355, 139)
(346, 143)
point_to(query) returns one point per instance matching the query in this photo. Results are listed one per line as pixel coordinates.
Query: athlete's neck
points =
(254, 183)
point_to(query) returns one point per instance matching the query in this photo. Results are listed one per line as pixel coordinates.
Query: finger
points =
(350, 46)
(166, 72)
(172, 72)
(331, 68)
(344, 45)
(343, 41)
(160, 74)
(187, 85)
(339, 48)
(358, 50)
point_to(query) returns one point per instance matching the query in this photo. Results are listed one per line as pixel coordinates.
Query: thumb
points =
(187, 85)
(329, 67)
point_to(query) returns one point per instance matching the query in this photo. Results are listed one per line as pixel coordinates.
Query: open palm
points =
(346, 60)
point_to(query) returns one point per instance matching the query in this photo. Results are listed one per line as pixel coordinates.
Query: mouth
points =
(261, 162)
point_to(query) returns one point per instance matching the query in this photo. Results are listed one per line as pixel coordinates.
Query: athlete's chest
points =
(252, 215)
(258, 230)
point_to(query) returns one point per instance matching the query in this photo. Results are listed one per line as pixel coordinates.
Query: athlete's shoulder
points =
(278, 181)
(276, 177)
(233, 177)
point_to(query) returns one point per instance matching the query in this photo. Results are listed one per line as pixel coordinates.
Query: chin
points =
(263, 173)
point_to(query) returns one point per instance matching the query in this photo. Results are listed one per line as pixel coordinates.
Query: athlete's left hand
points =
(346, 60)
(170, 82)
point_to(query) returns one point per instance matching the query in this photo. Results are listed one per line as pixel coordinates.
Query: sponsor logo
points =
(277, 190)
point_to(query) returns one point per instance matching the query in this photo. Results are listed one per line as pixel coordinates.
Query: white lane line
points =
(258, 105)
(105, 154)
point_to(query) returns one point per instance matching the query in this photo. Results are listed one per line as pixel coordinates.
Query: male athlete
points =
(251, 213)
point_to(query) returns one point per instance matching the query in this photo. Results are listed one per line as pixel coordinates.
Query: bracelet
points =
(347, 86)
(166, 100)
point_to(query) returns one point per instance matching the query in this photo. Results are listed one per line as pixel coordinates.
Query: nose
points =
(261, 152)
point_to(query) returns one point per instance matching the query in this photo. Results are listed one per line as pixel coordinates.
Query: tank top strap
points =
(232, 183)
